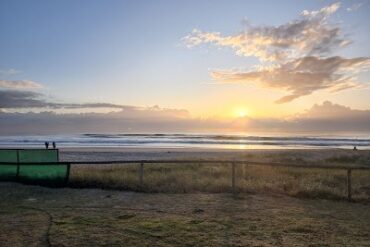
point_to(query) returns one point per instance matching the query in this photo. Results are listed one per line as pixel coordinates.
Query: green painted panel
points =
(8, 155)
(8, 172)
(35, 155)
(43, 173)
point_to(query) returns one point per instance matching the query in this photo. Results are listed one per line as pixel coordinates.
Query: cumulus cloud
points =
(21, 84)
(331, 111)
(324, 12)
(331, 117)
(295, 56)
(302, 76)
(311, 34)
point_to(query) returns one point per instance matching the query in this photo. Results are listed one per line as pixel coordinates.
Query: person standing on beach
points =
(54, 145)
(47, 145)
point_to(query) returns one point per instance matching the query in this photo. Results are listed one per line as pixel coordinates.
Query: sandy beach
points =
(307, 156)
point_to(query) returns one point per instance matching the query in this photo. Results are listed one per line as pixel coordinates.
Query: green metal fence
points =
(8, 155)
(37, 166)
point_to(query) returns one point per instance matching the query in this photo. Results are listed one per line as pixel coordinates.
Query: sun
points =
(242, 114)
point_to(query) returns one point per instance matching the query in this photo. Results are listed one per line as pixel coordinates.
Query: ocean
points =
(187, 141)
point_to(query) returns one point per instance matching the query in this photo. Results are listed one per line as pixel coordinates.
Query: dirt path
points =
(36, 216)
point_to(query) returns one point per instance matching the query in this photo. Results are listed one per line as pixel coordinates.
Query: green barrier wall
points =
(29, 155)
(33, 165)
(44, 173)
(8, 172)
(8, 155)
(38, 155)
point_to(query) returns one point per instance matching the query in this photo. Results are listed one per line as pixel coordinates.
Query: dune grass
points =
(216, 178)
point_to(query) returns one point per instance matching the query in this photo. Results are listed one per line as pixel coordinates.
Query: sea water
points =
(189, 141)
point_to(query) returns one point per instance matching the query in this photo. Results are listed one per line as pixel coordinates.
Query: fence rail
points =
(233, 167)
(232, 162)
(244, 162)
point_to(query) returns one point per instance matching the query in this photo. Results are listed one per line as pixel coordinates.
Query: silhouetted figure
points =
(54, 145)
(47, 145)
(354, 148)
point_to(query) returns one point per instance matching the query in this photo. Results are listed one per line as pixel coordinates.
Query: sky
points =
(184, 66)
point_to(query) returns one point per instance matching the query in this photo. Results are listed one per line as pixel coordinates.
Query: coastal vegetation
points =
(217, 178)
(39, 216)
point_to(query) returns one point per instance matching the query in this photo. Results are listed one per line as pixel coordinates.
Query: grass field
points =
(190, 178)
(37, 216)
(191, 205)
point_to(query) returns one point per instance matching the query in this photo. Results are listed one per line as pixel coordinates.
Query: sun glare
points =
(241, 112)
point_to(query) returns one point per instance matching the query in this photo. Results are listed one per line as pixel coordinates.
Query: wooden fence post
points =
(349, 184)
(68, 172)
(17, 174)
(141, 174)
(233, 177)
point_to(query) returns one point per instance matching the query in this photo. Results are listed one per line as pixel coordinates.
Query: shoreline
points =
(187, 142)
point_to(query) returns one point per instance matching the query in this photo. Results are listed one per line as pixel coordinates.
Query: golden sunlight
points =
(241, 112)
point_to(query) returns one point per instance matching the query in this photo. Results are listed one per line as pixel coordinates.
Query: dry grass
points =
(190, 178)
(39, 216)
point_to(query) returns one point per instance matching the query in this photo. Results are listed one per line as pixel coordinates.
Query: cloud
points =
(354, 7)
(325, 117)
(295, 56)
(330, 117)
(324, 12)
(15, 99)
(331, 111)
(23, 94)
(21, 99)
(9, 72)
(311, 34)
(19, 85)
(302, 76)
(128, 119)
